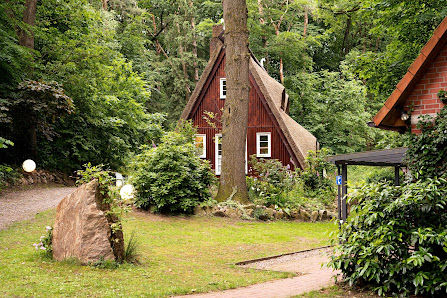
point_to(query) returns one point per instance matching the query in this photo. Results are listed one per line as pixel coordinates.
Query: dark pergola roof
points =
(386, 157)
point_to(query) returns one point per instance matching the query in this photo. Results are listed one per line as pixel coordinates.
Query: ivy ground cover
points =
(178, 255)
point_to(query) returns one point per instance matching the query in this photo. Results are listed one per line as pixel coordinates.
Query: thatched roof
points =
(298, 138)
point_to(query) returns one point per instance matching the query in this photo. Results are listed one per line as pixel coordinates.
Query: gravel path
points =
(311, 275)
(17, 205)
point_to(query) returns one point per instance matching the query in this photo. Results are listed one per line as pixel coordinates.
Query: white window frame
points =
(203, 155)
(217, 159)
(221, 88)
(258, 144)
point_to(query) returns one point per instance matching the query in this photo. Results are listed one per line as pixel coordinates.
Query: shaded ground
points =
(21, 204)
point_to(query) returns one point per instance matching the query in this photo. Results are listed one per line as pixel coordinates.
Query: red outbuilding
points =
(417, 92)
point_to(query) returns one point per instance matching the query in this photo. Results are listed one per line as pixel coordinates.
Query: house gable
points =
(419, 87)
(261, 119)
(268, 104)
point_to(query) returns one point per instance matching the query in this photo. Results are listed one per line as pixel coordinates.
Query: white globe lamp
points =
(29, 165)
(127, 192)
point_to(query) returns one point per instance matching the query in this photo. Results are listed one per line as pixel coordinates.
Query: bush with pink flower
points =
(45, 243)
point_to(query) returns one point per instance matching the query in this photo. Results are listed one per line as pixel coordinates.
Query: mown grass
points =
(178, 255)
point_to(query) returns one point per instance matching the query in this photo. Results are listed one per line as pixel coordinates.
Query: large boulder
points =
(81, 229)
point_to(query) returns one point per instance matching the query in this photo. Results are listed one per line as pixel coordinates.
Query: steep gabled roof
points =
(389, 115)
(297, 138)
(201, 83)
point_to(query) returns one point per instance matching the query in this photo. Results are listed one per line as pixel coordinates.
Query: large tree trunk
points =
(263, 37)
(345, 47)
(194, 44)
(235, 115)
(306, 21)
(184, 67)
(26, 37)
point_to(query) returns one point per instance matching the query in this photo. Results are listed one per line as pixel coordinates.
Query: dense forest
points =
(93, 81)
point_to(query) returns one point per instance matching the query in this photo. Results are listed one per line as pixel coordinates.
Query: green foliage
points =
(105, 179)
(8, 175)
(46, 243)
(317, 183)
(137, 57)
(271, 182)
(15, 60)
(171, 176)
(260, 214)
(331, 107)
(105, 264)
(4, 143)
(427, 150)
(131, 251)
(396, 239)
(276, 185)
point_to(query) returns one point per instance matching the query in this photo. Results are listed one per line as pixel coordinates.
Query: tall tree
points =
(235, 114)
(26, 37)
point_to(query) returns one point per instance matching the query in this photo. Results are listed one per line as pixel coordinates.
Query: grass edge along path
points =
(178, 255)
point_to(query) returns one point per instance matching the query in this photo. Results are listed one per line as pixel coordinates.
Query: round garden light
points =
(29, 165)
(127, 192)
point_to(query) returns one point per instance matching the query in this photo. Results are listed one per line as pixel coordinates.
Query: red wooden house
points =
(271, 133)
(419, 88)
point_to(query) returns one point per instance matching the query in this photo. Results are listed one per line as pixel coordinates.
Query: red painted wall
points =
(424, 98)
(260, 119)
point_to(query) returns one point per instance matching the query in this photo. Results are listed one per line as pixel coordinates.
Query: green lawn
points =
(178, 255)
(339, 291)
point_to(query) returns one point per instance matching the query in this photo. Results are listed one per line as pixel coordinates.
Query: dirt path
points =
(17, 205)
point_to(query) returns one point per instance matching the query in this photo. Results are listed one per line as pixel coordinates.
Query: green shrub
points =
(8, 175)
(385, 174)
(397, 240)
(315, 179)
(277, 185)
(427, 150)
(271, 183)
(172, 177)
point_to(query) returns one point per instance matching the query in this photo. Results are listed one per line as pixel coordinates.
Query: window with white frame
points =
(223, 88)
(218, 153)
(201, 145)
(263, 144)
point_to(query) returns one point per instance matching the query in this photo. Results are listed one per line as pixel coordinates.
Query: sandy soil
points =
(22, 204)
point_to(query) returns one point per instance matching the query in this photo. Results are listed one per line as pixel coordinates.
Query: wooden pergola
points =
(386, 158)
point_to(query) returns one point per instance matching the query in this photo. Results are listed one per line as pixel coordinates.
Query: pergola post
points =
(396, 176)
(344, 191)
(339, 198)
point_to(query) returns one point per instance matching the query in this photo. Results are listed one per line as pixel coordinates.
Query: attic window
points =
(263, 144)
(223, 88)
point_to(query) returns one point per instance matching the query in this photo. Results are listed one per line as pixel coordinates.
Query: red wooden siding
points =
(260, 119)
(423, 98)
